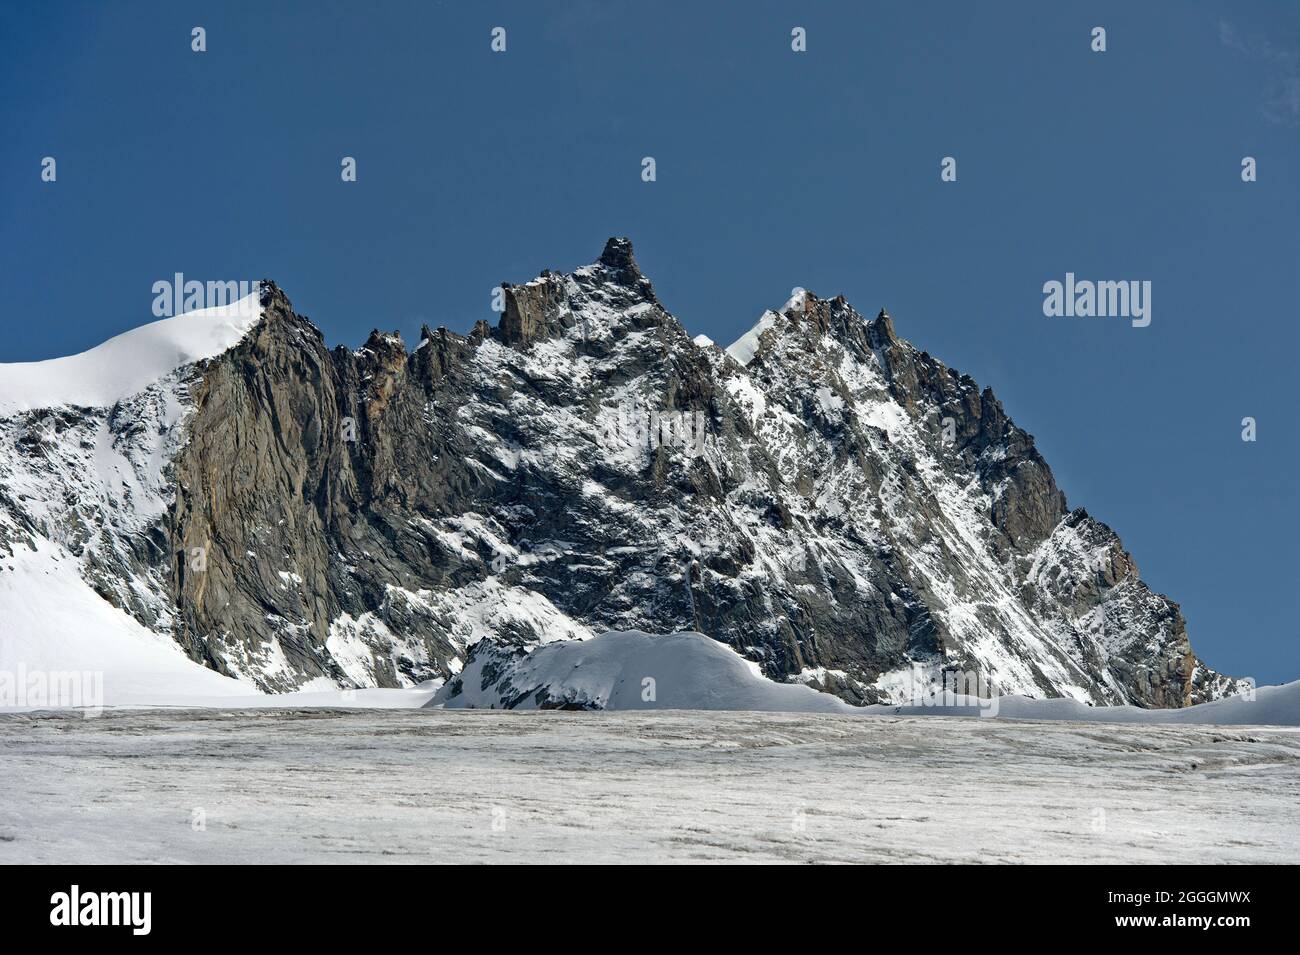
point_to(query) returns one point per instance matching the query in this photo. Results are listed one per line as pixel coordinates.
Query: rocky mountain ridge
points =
(838, 506)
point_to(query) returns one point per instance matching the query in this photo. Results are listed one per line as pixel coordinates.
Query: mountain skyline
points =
(820, 169)
(835, 504)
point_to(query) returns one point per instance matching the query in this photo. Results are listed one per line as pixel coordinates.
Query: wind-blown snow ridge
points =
(127, 363)
(745, 347)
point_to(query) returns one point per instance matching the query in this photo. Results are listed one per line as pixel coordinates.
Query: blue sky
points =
(774, 169)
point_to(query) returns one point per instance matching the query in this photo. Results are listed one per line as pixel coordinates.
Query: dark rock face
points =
(305, 477)
(838, 506)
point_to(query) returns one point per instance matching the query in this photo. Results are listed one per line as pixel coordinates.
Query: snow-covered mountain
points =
(837, 506)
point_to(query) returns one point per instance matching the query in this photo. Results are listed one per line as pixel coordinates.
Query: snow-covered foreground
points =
(469, 786)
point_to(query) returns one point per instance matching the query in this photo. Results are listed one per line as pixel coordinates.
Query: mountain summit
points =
(839, 507)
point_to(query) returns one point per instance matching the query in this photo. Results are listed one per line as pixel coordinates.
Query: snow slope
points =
(128, 363)
(56, 628)
(54, 623)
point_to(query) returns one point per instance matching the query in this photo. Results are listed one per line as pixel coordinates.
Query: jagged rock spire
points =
(622, 268)
(273, 297)
(881, 329)
(618, 256)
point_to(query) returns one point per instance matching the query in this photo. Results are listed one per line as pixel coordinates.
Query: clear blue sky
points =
(774, 169)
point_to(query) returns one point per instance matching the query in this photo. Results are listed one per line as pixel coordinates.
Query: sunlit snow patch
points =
(128, 363)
